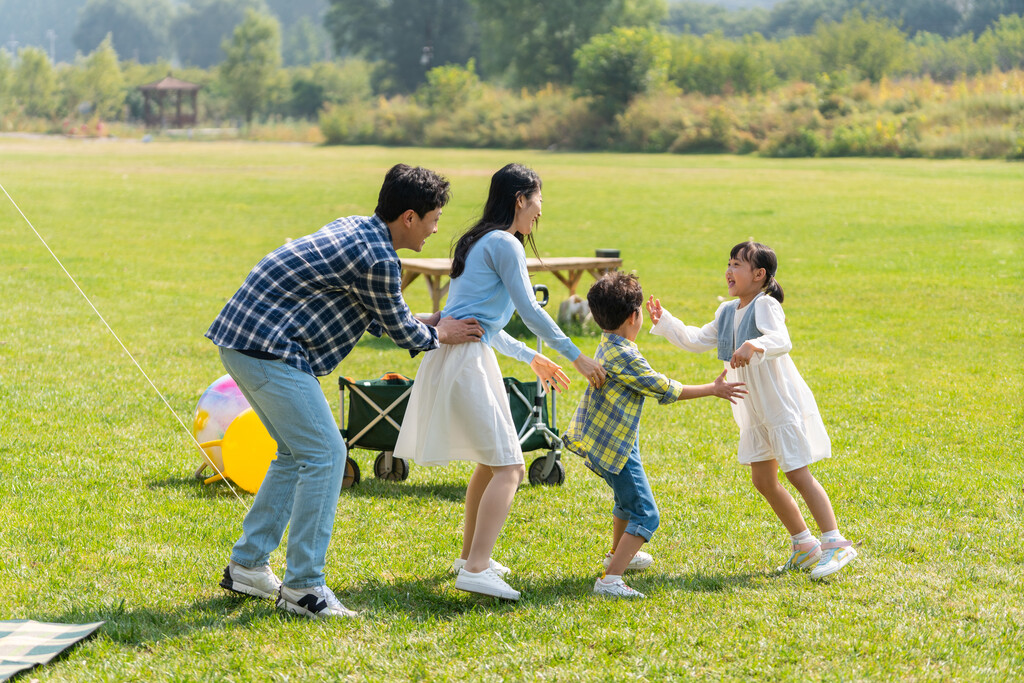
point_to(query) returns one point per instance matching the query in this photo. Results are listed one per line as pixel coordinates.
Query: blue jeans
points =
(634, 500)
(304, 480)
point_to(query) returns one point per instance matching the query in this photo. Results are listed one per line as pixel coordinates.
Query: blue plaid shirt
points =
(607, 422)
(309, 301)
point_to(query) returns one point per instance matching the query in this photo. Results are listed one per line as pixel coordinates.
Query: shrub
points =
(801, 142)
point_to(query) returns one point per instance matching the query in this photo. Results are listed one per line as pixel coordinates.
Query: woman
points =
(459, 409)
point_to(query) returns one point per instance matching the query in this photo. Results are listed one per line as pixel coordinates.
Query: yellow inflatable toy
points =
(247, 451)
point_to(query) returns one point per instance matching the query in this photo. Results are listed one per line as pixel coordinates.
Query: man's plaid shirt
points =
(607, 421)
(309, 301)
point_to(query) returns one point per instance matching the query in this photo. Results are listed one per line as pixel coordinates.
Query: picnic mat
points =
(24, 644)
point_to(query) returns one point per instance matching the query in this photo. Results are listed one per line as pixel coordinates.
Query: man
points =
(296, 317)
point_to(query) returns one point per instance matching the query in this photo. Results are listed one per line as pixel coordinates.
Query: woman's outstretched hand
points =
(654, 309)
(549, 372)
(728, 390)
(591, 369)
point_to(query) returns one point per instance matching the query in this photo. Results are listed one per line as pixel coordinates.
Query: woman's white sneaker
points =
(486, 582)
(259, 582)
(315, 602)
(498, 567)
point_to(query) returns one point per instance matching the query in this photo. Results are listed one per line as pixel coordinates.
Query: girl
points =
(459, 409)
(779, 422)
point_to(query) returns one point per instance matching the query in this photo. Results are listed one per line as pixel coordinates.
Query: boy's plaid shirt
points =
(311, 300)
(607, 421)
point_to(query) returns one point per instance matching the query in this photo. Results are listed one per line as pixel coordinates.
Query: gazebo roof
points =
(170, 83)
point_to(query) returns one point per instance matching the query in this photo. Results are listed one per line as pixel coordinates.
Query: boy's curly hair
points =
(614, 297)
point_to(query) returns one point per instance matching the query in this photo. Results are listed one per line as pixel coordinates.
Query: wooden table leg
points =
(437, 291)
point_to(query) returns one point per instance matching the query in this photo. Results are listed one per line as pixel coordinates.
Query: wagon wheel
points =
(399, 468)
(351, 477)
(555, 477)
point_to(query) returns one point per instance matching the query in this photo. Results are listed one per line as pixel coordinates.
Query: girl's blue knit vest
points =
(748, 328)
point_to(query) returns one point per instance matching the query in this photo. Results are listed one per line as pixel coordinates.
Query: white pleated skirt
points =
(459, 410)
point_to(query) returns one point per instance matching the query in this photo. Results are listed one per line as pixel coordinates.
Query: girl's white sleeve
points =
(696, 339)
(771, 323)
(507, 345)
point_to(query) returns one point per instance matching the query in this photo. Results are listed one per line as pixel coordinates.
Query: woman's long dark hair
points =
(507, 185)
(760, 256)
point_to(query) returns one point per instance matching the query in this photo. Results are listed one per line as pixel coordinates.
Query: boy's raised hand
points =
(728, 390)
(654, 309)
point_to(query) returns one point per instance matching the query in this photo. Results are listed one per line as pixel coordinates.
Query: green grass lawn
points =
(903, 296)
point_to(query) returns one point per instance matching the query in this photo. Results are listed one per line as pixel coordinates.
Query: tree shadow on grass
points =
(697, 582)
(195, 486)
(376, 488)
(142, 627)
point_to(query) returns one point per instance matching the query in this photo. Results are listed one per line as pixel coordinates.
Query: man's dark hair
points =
(406, 187)
(614, 297)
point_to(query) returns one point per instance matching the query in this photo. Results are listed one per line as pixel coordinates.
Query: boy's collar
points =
(617, 339)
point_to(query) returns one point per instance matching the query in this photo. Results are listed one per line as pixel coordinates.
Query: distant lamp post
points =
(12, 45)
(52, 35)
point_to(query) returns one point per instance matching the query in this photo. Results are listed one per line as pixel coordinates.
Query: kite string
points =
(129, 353)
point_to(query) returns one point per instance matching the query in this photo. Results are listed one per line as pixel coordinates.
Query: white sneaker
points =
(315, 602)
(486, 582)
(260, 582)
(616, 589)
(640, 561)
(497, 567)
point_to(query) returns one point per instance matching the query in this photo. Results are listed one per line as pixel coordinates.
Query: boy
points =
(605, 430)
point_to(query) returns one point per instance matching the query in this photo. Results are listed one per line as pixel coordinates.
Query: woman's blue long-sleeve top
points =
(494, 284)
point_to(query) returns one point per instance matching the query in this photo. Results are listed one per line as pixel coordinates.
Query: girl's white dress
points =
(779, 417)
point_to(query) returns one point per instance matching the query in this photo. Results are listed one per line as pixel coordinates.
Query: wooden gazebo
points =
(173, 89)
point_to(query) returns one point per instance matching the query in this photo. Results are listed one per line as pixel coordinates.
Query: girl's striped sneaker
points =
(805, 555)
(834, 556)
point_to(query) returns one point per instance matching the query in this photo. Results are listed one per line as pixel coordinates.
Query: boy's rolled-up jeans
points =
(634, 499)
(304, 480)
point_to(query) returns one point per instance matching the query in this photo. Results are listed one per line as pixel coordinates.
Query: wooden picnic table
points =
(568, 270)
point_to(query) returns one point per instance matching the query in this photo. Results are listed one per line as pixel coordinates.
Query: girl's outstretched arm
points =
(696, 339)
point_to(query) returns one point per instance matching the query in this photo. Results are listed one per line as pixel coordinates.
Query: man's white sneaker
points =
(640, 561)
(260, 582)
(315, 602)
(616, 589)
(498, 567)
(486, 582)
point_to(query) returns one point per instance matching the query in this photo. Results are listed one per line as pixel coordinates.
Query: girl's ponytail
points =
(761, 256)
(773, 289)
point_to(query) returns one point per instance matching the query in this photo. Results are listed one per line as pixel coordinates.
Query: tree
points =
(875, 47)
(104, 84)
(534, 41)
(137, 28)
(1003, 44)
(616, 67)
(304, 43)
(253, 58)
(35, 82)
(985, 13)
(412, 36)
(202, 26)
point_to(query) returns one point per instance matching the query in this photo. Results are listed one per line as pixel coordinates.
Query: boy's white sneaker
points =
(486, 582)
(498, 567)
(640, 561)
(315, 602)
(616, 589)
(259, 582)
